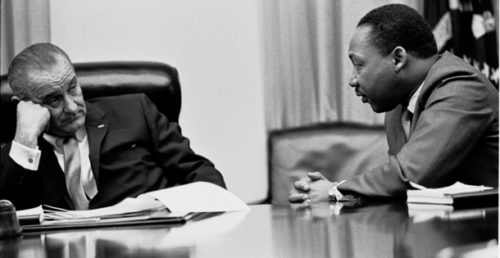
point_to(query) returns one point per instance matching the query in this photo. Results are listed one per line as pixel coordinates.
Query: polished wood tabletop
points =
(323, 230)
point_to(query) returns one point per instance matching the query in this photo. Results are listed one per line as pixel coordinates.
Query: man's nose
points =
(69, 104)
(353, 82)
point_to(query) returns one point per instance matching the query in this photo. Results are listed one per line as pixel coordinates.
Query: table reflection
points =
(178, 240)
(381, 230)
(322, 230)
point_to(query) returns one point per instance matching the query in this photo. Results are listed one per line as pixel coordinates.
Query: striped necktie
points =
(72, 171)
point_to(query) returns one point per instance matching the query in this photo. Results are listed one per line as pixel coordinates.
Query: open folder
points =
(171, 205)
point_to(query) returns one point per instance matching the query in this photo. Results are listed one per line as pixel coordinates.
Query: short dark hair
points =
(395, 25)
(39, 56)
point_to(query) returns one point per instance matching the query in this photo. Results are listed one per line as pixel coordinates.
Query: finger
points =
(298, 198)
(316, 176)
(301, 205)
(301, 185)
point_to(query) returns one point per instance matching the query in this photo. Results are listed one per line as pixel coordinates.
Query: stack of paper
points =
(176, 204)
(458, 195)
(126, 210)
(30, 216)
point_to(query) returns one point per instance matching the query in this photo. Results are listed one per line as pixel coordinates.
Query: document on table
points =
(198, 197)
(126, 208)
(176, 201)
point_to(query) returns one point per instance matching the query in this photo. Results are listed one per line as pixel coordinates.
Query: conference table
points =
(270, 230)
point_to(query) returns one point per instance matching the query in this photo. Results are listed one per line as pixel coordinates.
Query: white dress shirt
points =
(410, 109)
(30, 158)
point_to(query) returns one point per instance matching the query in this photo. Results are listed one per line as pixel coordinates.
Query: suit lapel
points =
(396, 132)
(97, 127)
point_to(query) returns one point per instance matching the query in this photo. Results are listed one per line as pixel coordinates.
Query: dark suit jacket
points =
(453, 135)
(133, 149)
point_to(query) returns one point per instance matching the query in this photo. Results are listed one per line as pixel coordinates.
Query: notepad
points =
(457, 195)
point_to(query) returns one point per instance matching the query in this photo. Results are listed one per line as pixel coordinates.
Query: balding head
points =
(38, 59)
(44, 75)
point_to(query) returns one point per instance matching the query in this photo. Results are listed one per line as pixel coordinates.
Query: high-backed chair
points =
(338, 150)
(159, 81)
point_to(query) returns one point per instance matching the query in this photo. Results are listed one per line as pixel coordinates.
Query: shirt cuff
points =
(334, 193)
(25, 157)
(337, 193)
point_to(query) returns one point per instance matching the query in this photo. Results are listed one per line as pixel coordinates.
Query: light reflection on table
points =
(382, 230)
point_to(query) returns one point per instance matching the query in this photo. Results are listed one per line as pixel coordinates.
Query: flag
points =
(467, 29)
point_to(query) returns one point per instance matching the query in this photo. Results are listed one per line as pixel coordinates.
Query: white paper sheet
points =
(198, 197)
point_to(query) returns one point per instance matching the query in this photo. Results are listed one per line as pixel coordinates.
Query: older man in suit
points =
(75, 154)
(442, 114)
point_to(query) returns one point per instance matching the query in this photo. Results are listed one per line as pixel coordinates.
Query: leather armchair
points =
(159, 81)
(338, 150)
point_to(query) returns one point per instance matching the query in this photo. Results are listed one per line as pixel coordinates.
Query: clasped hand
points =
(32, 120)
(311, 188)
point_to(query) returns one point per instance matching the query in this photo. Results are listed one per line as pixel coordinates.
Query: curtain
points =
(23, 22)
(306, 64)
(467, 28)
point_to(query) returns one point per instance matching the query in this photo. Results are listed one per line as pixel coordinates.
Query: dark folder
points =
(485, 198)
(148, 219)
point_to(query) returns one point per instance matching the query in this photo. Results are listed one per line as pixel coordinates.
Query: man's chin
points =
(381, 109)
(376, 109)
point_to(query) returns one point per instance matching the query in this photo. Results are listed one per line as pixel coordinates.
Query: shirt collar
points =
(57, 142)
(81, 134)
(413, 100)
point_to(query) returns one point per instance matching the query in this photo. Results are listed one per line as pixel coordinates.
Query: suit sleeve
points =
(174, 152)
(454, 116)
(17, 184)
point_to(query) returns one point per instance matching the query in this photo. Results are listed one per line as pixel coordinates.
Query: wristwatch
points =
(333, 193)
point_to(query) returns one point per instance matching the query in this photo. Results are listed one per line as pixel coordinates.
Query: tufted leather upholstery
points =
(159, 81)
(338, 150)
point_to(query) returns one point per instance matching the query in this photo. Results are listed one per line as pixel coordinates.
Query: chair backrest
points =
(338, 150)
(159, 81)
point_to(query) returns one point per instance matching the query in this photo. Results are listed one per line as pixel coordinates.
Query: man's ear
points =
(399, 58)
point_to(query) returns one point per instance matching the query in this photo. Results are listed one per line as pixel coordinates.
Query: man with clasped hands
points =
(441, 113)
